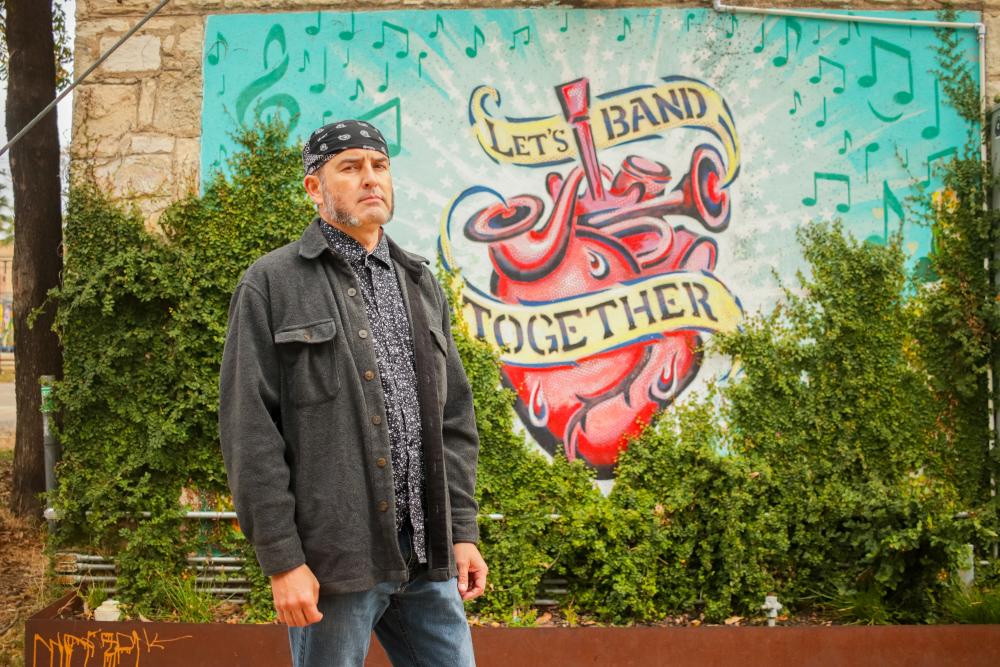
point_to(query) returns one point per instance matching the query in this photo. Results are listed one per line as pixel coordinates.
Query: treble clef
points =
(271, 78)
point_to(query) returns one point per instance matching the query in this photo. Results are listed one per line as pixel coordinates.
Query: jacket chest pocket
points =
(308, 362)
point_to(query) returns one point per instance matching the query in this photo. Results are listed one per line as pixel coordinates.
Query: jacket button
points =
(382, 506)
(307, 336)
(380, 462)
(363, 333)
(369, 374)
(351, 291)
(376, 419)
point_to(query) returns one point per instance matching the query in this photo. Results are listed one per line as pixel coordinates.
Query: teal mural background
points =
(791, 125)
(833, 119)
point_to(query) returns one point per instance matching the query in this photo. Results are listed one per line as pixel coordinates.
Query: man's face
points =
(354, 189)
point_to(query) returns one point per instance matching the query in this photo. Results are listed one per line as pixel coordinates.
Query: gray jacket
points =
(301, 420)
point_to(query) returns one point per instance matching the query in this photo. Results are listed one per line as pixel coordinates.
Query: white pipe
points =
(52, 514)
(721, 7)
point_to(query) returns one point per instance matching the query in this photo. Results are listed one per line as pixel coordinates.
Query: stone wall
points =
(137, 119)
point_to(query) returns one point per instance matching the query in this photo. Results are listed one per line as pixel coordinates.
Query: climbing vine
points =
(847, 466)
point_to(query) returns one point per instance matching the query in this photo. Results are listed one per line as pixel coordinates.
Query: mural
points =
(614, 185)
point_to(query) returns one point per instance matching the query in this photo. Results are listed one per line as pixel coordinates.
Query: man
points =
(347, 427)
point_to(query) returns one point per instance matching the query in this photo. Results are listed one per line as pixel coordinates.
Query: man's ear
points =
(313, 188)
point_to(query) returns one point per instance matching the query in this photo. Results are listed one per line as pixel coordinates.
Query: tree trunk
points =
(34, 166)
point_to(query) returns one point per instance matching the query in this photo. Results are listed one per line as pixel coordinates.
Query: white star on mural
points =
(809, 144)
(786, 222)
(783, 168)
(771, 208)
(550, 36)
(753, 83)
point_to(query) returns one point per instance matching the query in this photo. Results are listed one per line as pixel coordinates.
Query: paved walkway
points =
(7, 415)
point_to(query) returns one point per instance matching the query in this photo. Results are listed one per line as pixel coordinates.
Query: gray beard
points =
(342, 217)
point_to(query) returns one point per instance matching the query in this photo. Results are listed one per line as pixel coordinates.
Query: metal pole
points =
(53, 450)
(69, 89)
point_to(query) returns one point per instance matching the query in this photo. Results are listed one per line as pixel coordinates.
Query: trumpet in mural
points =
(598, 307)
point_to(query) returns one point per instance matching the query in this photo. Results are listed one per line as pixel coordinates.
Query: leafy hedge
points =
(830, 472)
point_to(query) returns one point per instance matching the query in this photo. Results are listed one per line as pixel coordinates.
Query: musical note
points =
(760, 47)
(326, 114)
(687, 22)
(890, 203)
(626, 29)
(939, 155)
(223, 91)
(420, 64)
(348, 35)
(565, 25)
(305, 60)
(321, 86)
(394, 146)
(791, 25)
(314, 29)
(842, 207)
(835, 65)
(857, 29)
(275, 36)
(932, 131)
(869, 149)
(214, 54)
(438, 26)
(906, 157)
(359, 87)
(348, 61)
(527, 38)
(848, 141)
(869, 80)
(217, 163)
(731, 30)
(796, 101)
(822, 121)
(816, 41)
(402, 53)
(473, 51)
(385, 86)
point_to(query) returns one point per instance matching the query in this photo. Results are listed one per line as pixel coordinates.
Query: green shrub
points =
(832, 468)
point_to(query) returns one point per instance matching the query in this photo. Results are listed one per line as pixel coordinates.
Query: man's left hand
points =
(471, 570)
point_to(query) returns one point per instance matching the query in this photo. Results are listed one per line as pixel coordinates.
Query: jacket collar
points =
(313, 243)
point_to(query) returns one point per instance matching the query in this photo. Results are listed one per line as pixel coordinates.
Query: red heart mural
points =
(604, 231)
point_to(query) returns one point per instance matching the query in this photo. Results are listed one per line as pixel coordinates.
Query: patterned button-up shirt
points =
(393, 343)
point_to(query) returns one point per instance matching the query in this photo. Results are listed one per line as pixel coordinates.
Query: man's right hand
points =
(296, 594)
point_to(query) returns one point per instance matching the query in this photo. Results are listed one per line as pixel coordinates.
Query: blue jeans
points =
(419, 622)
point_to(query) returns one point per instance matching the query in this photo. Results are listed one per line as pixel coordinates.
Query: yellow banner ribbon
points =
(615, 119)
(569, 330)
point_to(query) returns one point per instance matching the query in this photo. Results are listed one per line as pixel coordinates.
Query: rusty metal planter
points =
(76, 643)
